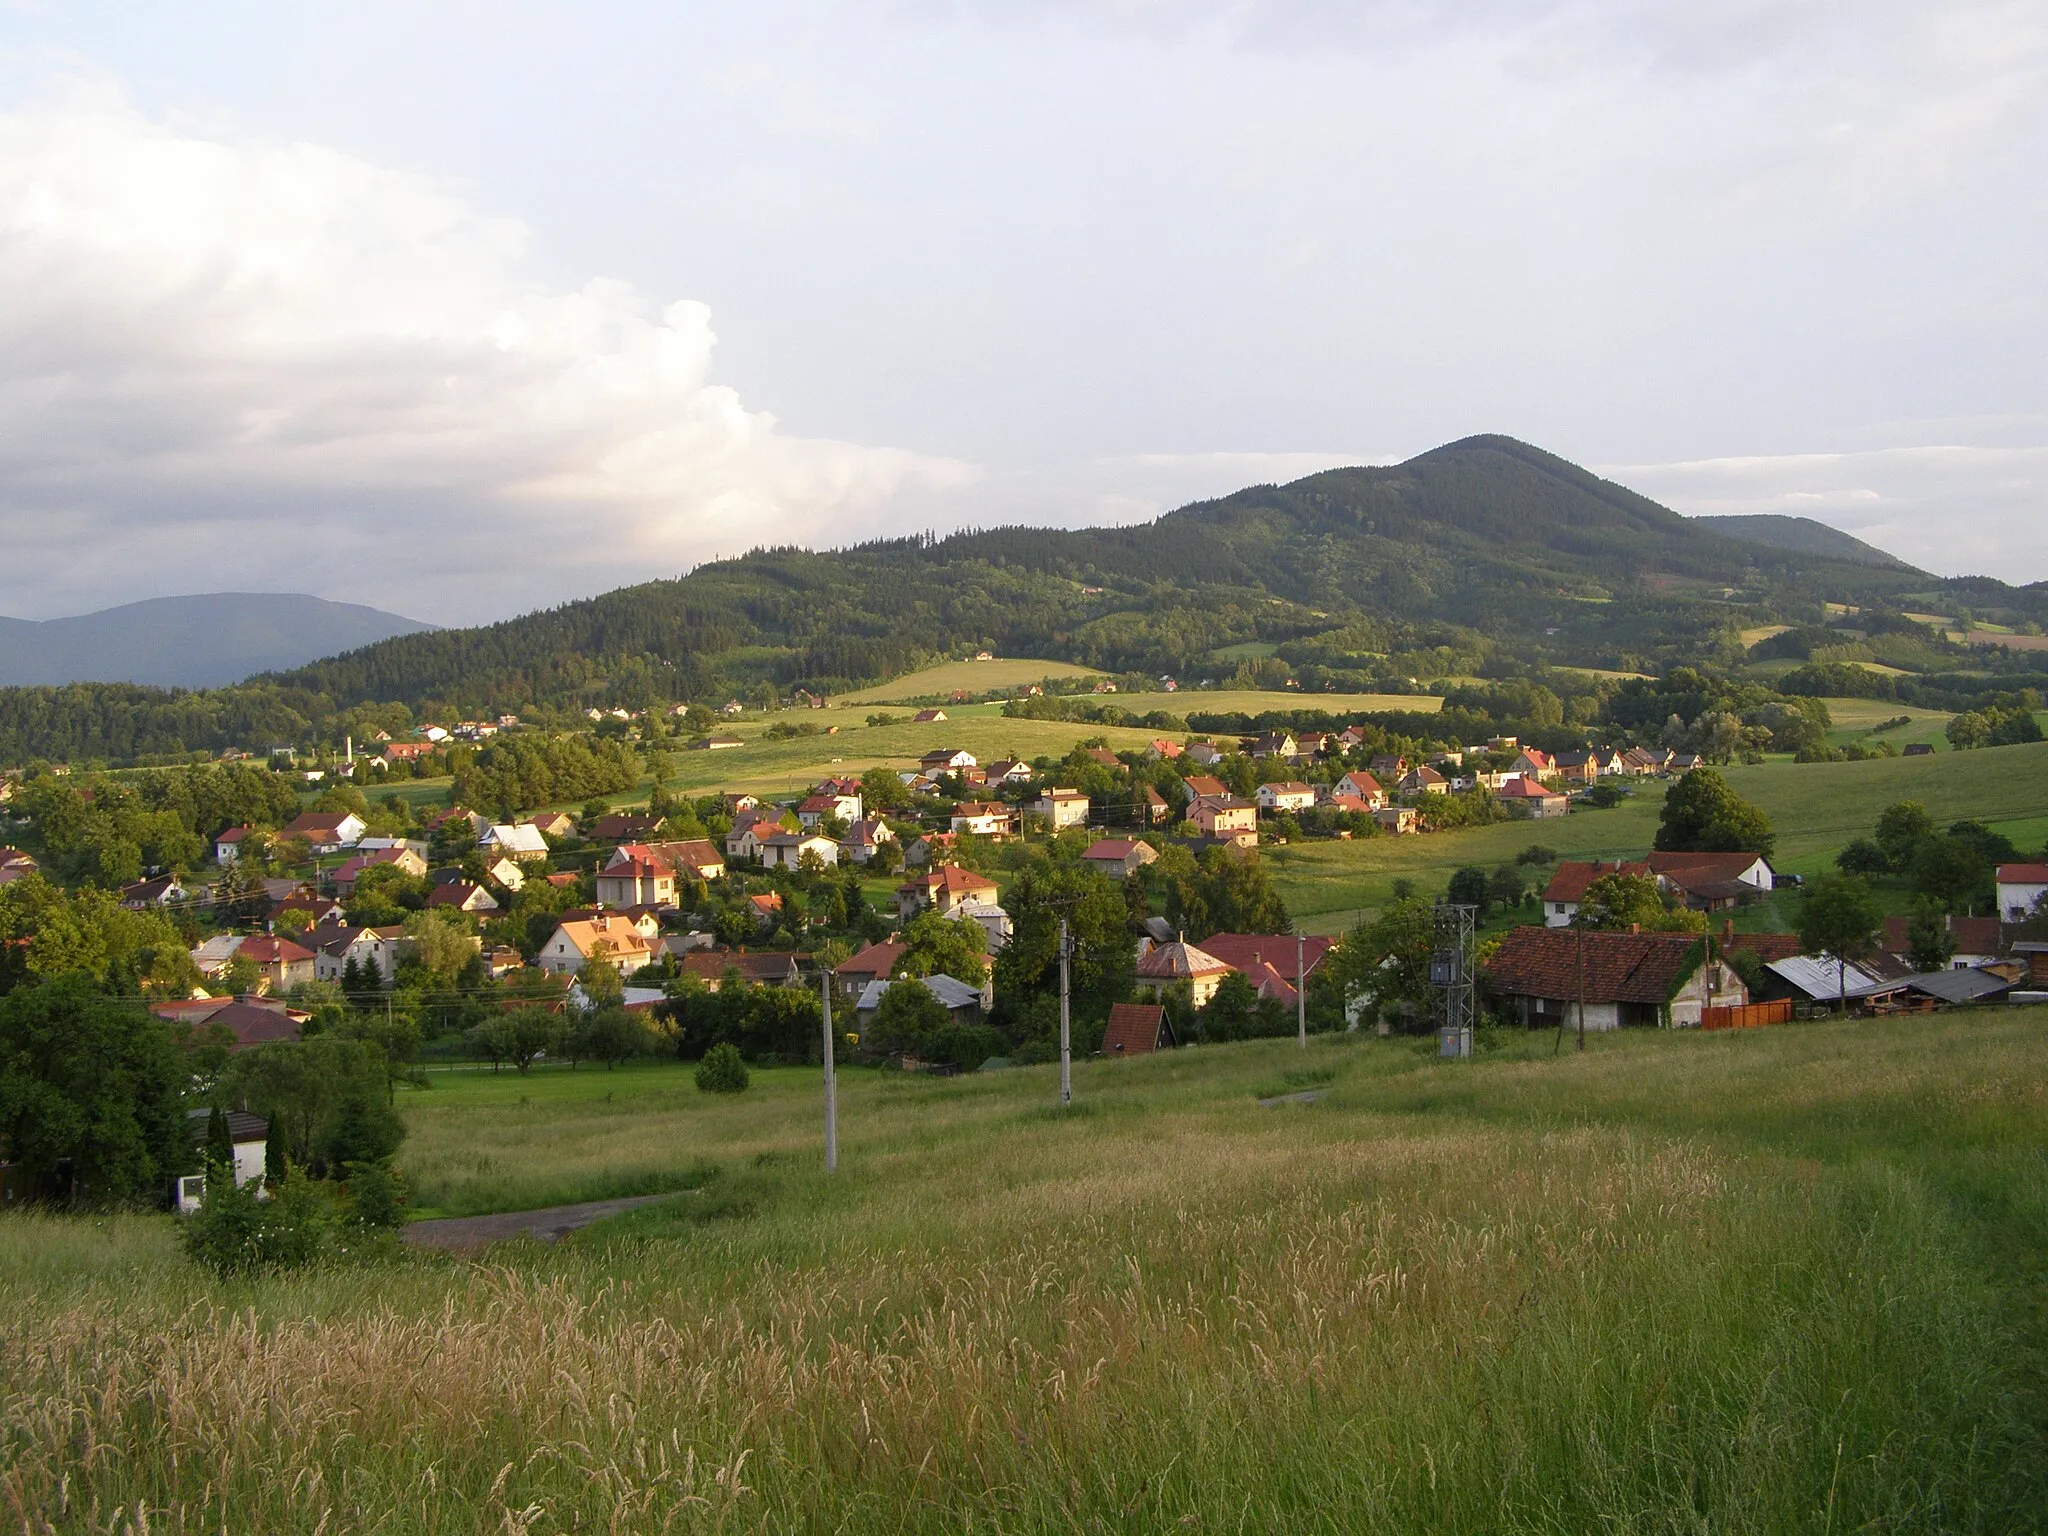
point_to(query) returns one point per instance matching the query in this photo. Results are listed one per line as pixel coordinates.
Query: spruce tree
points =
(220, 1145)
(276, 1164)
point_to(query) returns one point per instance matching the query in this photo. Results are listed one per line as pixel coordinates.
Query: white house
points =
(786, 850)
(1062, 808)
(249, 1133)
(2022, 889)
(520, 841)
(1287, 795)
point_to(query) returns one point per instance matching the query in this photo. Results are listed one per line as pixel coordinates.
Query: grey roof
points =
(1960, 986)
(242, 1126)
(1819, 978)
(951, 994)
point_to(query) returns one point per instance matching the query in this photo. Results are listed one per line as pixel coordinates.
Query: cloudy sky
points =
(458, 309)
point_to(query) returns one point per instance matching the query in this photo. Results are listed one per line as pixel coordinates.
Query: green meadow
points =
(1786, 1280)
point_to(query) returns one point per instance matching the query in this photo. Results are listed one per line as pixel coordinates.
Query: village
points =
(463, 916)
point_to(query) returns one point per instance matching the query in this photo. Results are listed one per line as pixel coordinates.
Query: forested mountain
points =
(1801, 534)
(189, 642)
(1484, 556)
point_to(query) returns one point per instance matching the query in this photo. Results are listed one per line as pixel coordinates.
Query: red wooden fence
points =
(1754, 1016)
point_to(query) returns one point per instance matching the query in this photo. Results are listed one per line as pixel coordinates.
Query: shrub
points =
(235, 1232)
(376, 1196)
(722, 1070)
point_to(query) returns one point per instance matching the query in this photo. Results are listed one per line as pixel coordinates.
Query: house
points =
(1362, 785)
(928, 717)
(984, 818)
(281, 964)
(1137, 1029)
(1397, 819)
(2022, 889)
(1150, 805)
(522, 842)
(1567, 888)
(374, 950)
(327, 831)
(1225, 817)
(1159, 747)
(637, 875)
(941, 890)
(732, 709)
(1642, 760)
(765, 968)
(863, 839)
(1423, 780)
(1104, 757)
(1285, 795)
(1385, 765)
(454, 813)
(814, 810)
(1684, 762)
(1006, 771)
(463, 896)
(1279, 744)
(873, 963)
(1205, 754)
(1577, 768)
(1255, 953)
(696, 856)
(946, 760)
(1062, 808)
(720, 742)
(963, 1002)
(743, 841)
(227, 847)
(1118, 857)
(767, 909)
(1711, 882)
(163, 891)
(249, 1136)
(579, 940)
(556, 824)
(787, 850)
(1824, 979)
(1534, 763)
(993, 921)
(920, 852)
(1181, 964)
(732, 802)
(1528, 796)
(354, 868)
(1203, 786)
(1661, 980)
(624, 827)
(1918, 749)
(1976, 941)
(309, 910)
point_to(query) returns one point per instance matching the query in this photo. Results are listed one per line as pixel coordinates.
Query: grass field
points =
(980, 676)
(1788, 1280)
(1253, 701)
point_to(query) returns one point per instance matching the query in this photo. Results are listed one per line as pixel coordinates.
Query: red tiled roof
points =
(2023, 874)
(1526, 788)
(265, 950)
(1690, 869)
(949, 878)
(1767, 947)
(1572, 877)
(874, 960)
(1619, 967)
(1110, 848)
(1134, 1029)
(1243, 951)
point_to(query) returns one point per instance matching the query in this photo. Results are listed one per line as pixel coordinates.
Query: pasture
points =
(1785, 1280)
(977, 676)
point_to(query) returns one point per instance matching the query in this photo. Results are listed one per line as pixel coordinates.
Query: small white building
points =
(248, 1132)
(1062, 808)
(2022, 890)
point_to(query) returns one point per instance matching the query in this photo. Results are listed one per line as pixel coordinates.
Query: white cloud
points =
(230, 363)
(1952, 509)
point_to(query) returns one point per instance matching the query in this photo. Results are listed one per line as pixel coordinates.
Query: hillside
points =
(1484, 543)
(1801, 535)
(189, 642)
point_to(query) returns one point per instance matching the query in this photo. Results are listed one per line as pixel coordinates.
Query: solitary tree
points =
(1703, 815)
(1839, 917)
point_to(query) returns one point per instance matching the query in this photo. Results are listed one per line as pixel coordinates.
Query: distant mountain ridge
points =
(1802, 535)
(1486, 545)
(204, 641)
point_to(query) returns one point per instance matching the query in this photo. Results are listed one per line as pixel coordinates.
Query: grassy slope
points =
(980, 676)
(1785, 1280)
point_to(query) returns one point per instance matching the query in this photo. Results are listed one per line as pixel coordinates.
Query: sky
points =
(463, 309)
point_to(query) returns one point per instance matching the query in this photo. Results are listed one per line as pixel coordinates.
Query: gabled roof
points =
(265, 949)
(948, 878)
(951, 993)
(1618, 967)
(1135, 1029)
(2023, 874)
(763, 968)
(516, 838)
(1765, 946)
(1243, 951)
(1204, 784)
(874, 960)
(1693, 870)
(1821, 978)
(1526, 788)
(1287, 787)
(1118, 848)
(1575, 875)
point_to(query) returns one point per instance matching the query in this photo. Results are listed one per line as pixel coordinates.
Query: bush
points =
(235, 1232)
(376, 1197)
(722, 1070)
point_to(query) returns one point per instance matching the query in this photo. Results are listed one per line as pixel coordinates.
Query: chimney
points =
(1635, 927)
(1727, 932)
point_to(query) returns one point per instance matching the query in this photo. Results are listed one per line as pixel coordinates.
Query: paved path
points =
(457, 1234)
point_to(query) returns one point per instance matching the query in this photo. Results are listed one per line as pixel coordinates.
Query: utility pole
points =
(1300, 990)
(1066, 1043)
(1582, 988)
(831, 1079)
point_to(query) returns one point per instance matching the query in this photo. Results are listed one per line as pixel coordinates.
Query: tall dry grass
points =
(1539, 1305)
